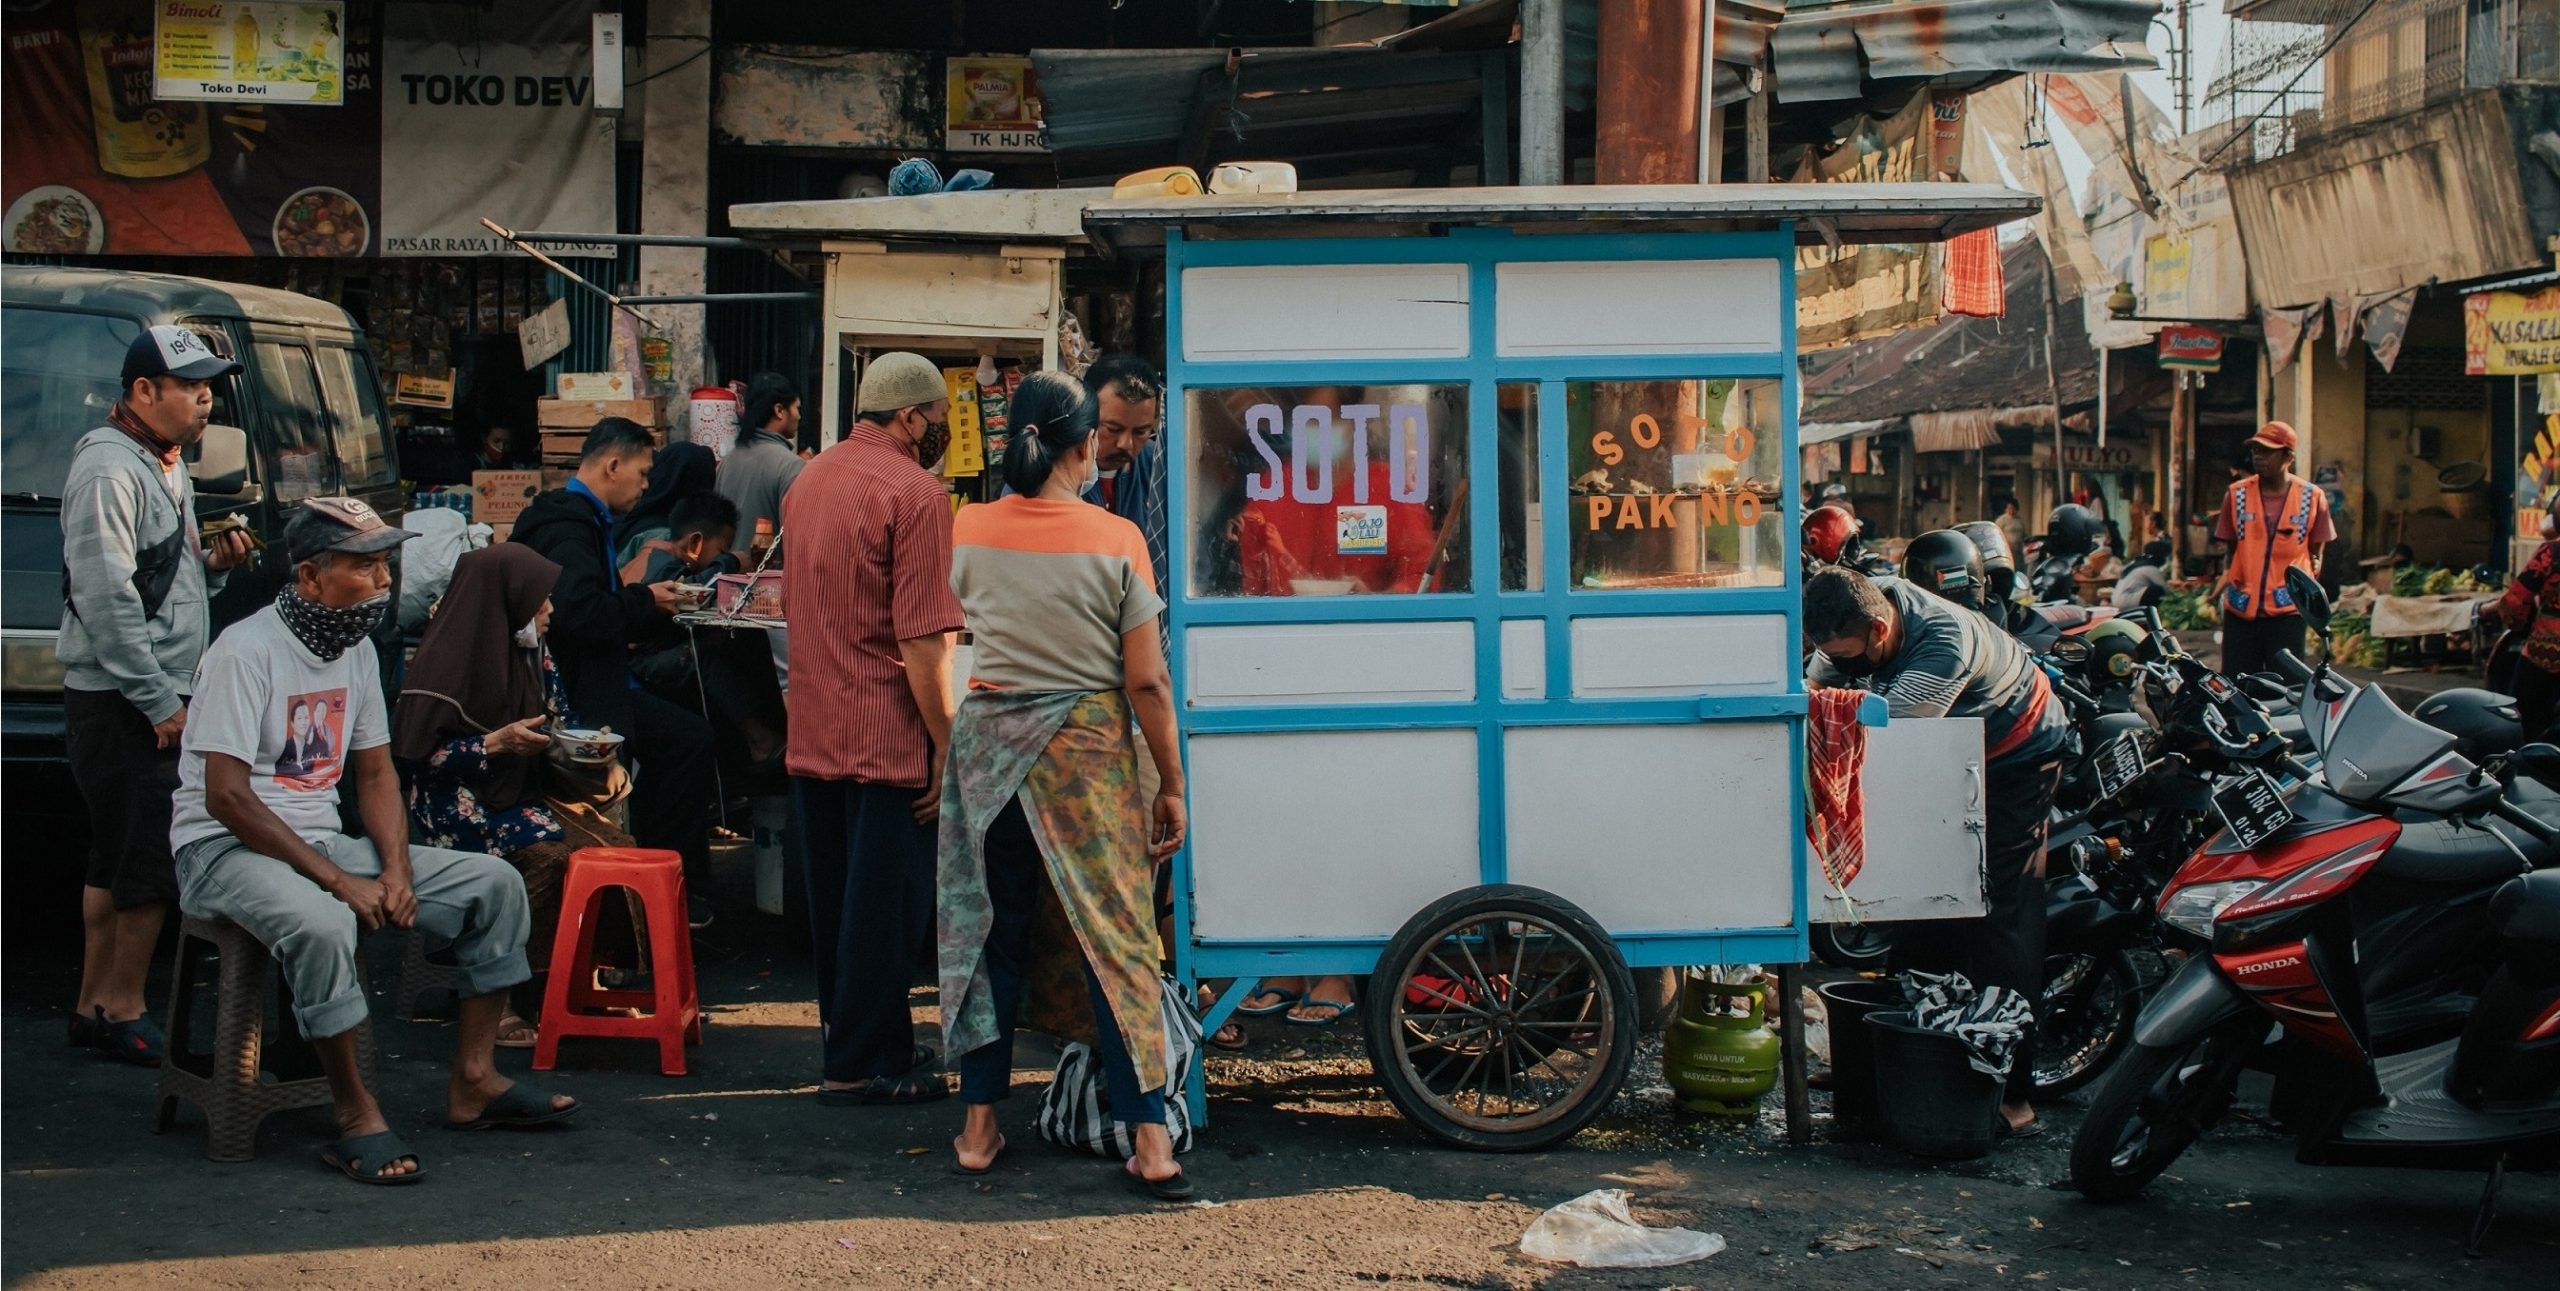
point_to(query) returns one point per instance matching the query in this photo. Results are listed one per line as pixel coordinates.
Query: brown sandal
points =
(512, 1024)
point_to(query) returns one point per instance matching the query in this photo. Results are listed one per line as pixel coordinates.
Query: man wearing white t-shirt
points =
(287, 703)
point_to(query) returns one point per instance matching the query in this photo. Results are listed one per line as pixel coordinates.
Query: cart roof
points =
(982, 215)
(1849, 212)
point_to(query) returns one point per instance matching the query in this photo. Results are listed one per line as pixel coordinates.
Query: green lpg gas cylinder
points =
(1719, 1057)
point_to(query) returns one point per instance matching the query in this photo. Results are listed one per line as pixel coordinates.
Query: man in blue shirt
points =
(1125, 446)
(596, 619)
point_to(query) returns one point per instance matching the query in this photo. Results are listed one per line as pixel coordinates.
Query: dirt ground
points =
(732, 1177)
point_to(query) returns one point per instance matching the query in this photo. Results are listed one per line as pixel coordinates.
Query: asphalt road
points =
(733, 1177)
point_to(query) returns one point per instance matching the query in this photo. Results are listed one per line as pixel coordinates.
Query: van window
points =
(364, 450)
(297, 422)
(57, 379)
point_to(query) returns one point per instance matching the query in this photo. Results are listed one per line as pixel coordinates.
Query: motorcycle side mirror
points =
(2539, 760)
(2310, 598)
(2070, 651)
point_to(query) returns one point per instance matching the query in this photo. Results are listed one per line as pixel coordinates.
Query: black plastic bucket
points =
(1853, 1062)
(1933, 1103)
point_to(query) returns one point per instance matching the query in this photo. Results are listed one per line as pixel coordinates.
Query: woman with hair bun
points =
(1041, 788)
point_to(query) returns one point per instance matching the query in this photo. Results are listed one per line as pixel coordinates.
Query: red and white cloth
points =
(1970, 280)
(1835, 760)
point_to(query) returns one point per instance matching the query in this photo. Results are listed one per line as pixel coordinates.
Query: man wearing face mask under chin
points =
(1931, 658)
(872, 625)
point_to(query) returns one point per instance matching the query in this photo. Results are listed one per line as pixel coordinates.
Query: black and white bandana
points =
(328, 632)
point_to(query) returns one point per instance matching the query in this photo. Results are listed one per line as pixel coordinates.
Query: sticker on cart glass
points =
(1360, 531)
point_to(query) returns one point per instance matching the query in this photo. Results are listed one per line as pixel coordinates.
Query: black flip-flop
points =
(1173, 1187)
(347, 1157)
(1227, 1039)
(2006, 1131)
(889, 1091)
(991, 1161)
(138, 1041)
(521, 1107)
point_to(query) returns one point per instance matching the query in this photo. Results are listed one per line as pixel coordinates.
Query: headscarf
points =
(469, 677)
(681, 471)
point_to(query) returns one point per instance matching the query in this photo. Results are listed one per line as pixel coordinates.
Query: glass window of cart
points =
(1328, 490)
(1675, 484)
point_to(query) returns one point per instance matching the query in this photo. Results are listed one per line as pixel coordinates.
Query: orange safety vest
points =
(2268, 543)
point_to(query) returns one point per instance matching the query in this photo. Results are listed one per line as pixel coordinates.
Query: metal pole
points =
(2103, 352)
(2053, 387)
(2186, 67)
(1542, 92)
(1710, 120)
(1791, 1055)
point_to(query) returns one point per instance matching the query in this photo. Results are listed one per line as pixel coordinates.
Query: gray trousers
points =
(469, 904)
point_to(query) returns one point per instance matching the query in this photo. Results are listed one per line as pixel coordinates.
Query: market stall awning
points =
(1990, 370)
(1812, 433)
(988, 214)
(1969, 429)
(1855, 213)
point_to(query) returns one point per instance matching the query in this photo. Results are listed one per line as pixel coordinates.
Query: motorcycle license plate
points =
(2119, 762)
(2252, 808)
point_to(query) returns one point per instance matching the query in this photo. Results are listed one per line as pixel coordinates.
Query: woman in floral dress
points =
(468, 730)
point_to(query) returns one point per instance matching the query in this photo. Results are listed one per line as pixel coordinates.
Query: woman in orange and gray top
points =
(1041, 789)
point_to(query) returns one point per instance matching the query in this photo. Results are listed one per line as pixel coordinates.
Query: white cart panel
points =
(1331, 663)
(1334, 834)
(1524, 659)
(1678, 655)
(1576, 307)
(1265, 313)
(1923, 790)
(1656, 828)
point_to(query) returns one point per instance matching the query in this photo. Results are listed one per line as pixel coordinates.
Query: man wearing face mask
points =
(258, 841)
(872, 623)
(1931, 658)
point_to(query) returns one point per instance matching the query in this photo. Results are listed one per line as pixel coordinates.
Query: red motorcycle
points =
(2395, 915)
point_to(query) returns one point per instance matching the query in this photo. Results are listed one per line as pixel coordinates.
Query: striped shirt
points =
(1049, 588)
(870, 566)
(1952, 662)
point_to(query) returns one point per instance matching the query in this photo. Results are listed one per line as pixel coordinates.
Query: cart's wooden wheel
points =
(1501, 1018)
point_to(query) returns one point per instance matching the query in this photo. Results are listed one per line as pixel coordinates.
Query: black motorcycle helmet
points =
(1999, 564)
(2072, 531)
(2482, 722)
(1947, 563)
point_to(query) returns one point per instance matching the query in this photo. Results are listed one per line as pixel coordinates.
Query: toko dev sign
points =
(259, 53)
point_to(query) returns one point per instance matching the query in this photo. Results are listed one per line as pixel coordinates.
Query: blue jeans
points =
(1015, 873)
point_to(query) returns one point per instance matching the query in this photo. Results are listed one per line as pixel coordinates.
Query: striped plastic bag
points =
(1075, 1112)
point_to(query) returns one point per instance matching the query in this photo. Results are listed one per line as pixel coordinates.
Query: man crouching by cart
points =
(287, 703)
(1931, 658)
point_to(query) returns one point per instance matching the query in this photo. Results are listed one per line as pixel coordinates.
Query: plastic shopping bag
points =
(1595, 1231)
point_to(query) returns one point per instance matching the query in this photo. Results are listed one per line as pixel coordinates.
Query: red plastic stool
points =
(570, 999)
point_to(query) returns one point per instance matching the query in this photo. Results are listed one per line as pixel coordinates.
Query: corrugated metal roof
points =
(1830, 51)
(1856, 212)
(2510, 284)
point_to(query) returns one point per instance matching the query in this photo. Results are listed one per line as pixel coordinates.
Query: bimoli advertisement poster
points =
(445, 114)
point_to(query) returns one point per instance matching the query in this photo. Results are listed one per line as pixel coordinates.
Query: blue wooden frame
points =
(1486, 607)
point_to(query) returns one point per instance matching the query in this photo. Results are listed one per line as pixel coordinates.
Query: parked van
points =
(303, 418)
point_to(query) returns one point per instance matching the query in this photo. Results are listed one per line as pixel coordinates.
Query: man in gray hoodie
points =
(138, 581)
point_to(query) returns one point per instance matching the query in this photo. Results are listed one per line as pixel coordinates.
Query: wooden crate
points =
(582, 414)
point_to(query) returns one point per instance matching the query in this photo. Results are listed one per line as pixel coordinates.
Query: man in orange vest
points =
(2272, 521)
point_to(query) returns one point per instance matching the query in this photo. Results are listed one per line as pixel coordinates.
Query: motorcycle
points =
(2151, 806)
(2396, 918)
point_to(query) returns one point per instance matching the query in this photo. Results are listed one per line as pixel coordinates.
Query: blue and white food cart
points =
(1485, 607)
(1485, 602)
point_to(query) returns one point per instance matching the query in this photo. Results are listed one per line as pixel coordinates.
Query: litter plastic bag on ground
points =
(1595, 1231)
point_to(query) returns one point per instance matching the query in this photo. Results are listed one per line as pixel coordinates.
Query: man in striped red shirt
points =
(872, 623)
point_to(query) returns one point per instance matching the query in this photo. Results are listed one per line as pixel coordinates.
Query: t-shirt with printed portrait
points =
(264, 698)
